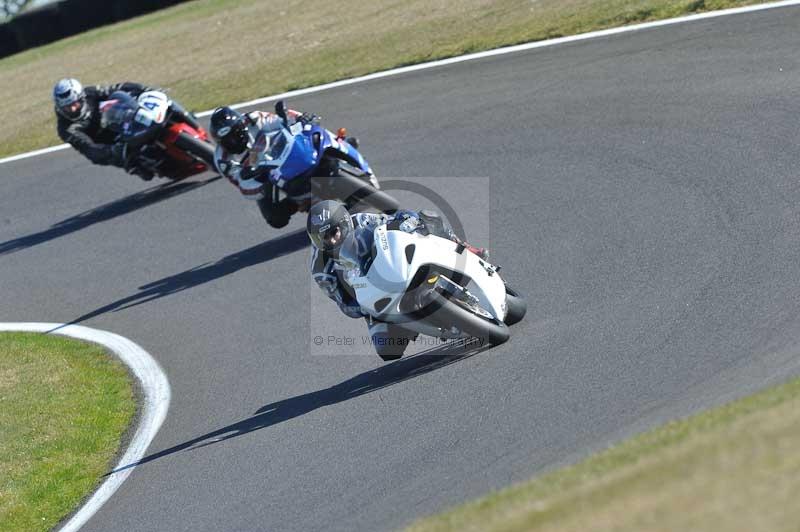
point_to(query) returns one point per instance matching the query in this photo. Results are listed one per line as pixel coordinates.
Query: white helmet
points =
(70, 99)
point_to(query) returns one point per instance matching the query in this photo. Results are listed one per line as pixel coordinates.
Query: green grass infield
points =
(66, 405)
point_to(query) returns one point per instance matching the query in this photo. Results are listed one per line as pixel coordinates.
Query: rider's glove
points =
(407, 221)
(259, 173)
(308, 118)
(352, 311)
(118, 154)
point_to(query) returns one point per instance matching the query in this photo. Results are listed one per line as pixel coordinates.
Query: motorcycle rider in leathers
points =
(342, 242)
(79, 124)
(241, 141)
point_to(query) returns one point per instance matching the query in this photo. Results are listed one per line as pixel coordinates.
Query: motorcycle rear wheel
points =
(356, 192)
(202, 149)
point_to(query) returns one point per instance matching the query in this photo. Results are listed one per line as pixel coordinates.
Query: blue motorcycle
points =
(306, 163)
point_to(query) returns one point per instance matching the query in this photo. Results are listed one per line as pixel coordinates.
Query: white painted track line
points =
(470, 57)
(34, 153)
(152, 411)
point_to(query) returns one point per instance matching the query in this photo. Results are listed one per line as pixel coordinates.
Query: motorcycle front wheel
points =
(516, 306)
(453, 313)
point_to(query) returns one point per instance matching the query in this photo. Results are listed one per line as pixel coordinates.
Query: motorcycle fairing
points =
(146, 124)
(304, 149)
(154, 106)
(391, 272)
(333, 146)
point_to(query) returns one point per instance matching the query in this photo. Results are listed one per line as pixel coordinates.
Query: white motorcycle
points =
(434, 286)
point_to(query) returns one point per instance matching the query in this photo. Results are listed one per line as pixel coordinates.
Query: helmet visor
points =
(72, 110)
(329, 225)
(233, 138)
(332, 238)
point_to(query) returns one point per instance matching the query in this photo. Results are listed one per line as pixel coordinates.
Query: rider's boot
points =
(276, 214)
(288, 206)
(145, 176)
(389, 340)
(143, 173)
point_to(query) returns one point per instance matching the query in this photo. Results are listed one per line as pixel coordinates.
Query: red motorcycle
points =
(160, 138)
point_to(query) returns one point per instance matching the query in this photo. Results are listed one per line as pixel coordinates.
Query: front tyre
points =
(200, 148)
(449, 313)
(515, 306)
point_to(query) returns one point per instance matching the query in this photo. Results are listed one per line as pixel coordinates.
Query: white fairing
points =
(390, 275)
(153, 106)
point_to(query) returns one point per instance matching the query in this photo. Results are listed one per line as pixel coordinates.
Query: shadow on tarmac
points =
(364, 383)
(266, 251)
(103, 213)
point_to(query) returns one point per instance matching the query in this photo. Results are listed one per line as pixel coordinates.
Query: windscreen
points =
(117, 112)
(277, 146)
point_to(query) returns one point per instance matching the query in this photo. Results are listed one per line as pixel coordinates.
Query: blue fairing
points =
(303, 157)
(354, 157)
(328, 141)
(324, 135)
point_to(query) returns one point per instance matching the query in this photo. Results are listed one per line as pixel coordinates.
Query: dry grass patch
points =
(734, 468)
(212, 52)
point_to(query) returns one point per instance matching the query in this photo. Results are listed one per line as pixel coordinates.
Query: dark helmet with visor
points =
(329, 225)
(229, 129)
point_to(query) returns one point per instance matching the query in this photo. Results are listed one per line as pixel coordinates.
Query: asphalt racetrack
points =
(643, 192)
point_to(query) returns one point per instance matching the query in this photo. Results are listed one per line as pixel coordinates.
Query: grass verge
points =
(212, 52)
(65, 406)
(733, 468)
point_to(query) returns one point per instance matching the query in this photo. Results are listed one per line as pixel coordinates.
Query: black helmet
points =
(229, 129)
(328, 225)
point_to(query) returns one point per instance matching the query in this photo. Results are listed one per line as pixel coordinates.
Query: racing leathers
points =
(86, 135)
(97, 144)
(241, 171)
(331, 272)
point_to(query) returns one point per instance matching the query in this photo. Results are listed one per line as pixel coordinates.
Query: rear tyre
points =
(356, 192)
(201, 149)
(516, 306)
(452, 314)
